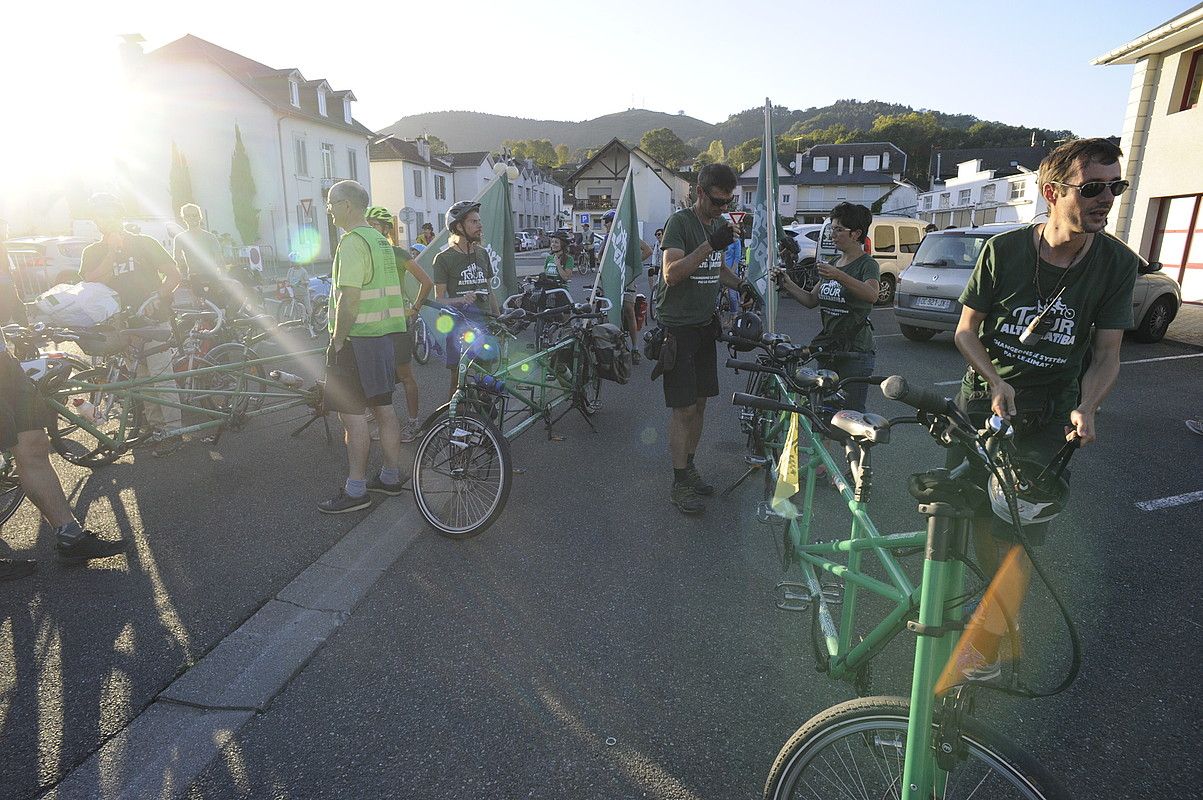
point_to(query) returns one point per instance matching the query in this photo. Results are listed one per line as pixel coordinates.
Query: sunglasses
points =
(1095, 188)
(720, 201)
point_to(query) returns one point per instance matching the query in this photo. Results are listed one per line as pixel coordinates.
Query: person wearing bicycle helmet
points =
(463, 274)
(367, 325)
(381, 219)
(559, 264)
(427, 234)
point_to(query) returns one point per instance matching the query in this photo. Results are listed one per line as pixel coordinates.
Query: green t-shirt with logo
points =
(462, 273)
(132, 270)
(846, 318)
(551, 269)
(692, 301)
(1098, 293)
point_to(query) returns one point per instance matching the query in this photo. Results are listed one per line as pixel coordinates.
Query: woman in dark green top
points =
(559, 264)
(845, 295)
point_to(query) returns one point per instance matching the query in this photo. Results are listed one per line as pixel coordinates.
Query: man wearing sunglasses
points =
(1039, 299)
(694, 241)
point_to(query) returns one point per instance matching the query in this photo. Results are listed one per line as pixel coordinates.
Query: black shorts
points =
(1038, 441)
(403, 347)
(21, 407)
(695, 374)
(350, 389)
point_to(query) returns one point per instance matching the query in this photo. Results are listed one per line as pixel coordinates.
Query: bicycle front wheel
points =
(118, 419)
(587, 383)
(857, 750)
(240, 380)
(11, 492)
(462, 475)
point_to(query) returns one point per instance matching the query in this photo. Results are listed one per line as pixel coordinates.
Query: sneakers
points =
(410, 431)
(975, 667)
(380, 487)
(87, 547)
(12, 569)
(343, 503)
(698, 483)
(686, 499)
(1195, 426)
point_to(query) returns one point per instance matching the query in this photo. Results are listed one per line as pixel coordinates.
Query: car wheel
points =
(1156, 321)
(917, 334)
(885, 291)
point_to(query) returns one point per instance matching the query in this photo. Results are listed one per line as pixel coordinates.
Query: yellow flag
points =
(787, 474)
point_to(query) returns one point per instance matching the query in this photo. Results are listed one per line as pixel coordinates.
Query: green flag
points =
(622, 259)
(497, 238)
(765, 225)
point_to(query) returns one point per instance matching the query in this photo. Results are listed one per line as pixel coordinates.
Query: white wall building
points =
(864, 173)
(597, 185)
(976, 196)
(473, 173)
(787, 192)
(537, 199)
(300, 138)
(1161, 217)
(416, 186)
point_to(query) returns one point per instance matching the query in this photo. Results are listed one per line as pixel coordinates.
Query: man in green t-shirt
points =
(137, 268)
(1041, 298)
(694, 241)
(367, 318)
(463, 275)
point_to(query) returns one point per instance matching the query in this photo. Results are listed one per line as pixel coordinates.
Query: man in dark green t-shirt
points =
(694, 241)
(1039, 299)
(461, 272)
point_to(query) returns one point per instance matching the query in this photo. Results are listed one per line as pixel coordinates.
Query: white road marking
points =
(947, 383)
(1162, 358)
(1170, 502)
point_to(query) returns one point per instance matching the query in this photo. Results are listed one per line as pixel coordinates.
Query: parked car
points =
(892, 243)
(927, 299)
(540, 236)
(40, 262)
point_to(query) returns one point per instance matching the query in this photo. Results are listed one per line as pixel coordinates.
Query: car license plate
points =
(933, 303)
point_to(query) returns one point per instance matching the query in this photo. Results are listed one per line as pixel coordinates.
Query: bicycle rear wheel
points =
(240, 379)
(857, 749)
(11, 491)
(462, 475)
(586, 382)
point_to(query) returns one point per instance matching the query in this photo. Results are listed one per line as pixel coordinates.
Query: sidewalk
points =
(1187, 327)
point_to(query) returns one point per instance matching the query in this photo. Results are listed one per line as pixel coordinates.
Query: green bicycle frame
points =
(942, 581)
(154, 389)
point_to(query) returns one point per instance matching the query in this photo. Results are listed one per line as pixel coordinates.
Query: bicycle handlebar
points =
(755, 401)
(896, 388)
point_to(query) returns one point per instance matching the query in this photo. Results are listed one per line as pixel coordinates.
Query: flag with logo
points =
(788, 480)
(622, 259)
(765, 225)
(497, 238)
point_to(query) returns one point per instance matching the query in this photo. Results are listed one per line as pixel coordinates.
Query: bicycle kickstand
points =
(755, 464)
(325, 422)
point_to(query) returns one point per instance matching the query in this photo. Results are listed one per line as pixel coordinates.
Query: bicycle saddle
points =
(863, 428)
(936, 486)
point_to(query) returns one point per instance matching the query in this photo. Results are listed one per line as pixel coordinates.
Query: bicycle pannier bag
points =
(79, 304)
(612, 353)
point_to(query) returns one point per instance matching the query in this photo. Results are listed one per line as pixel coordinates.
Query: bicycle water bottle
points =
(286, 378)
(85, 408)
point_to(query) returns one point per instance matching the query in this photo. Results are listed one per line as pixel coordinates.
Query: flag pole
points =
(771, 195)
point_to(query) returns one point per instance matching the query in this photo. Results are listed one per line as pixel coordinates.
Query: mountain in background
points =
(471, 130)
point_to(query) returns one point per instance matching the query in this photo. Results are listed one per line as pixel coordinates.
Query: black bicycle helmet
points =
(609, 215)
(746, 329)
(460, 210)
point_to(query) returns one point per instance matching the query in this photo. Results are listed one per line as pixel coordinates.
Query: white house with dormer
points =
(417, 186)
(299, 133)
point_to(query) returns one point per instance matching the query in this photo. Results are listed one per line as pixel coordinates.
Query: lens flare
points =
(306, 243)
(444, 324)
(469, 337)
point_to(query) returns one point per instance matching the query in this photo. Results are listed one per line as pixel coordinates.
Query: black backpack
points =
(611, 352)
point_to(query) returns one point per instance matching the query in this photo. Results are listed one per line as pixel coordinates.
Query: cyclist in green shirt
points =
(367, 320)
(559, 265)
(694, 242)
(1039, 299)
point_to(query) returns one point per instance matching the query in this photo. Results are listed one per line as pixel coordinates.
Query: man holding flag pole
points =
(694, 242)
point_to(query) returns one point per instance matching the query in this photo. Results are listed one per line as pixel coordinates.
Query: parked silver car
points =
(929, 289)
(40, 262)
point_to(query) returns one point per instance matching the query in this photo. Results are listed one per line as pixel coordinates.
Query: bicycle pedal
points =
(757, 461)
(766, 515)
(832, 593)
(793, 596)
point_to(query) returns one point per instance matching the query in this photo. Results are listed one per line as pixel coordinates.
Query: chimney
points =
(423, 148)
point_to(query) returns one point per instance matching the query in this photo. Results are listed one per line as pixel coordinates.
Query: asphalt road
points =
(593, 642)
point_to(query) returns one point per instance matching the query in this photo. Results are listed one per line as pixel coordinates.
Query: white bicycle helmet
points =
(1037, 503)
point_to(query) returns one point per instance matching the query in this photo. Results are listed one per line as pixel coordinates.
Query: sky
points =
(1019, 62)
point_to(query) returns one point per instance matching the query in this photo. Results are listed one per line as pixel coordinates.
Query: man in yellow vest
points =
(367, 321)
